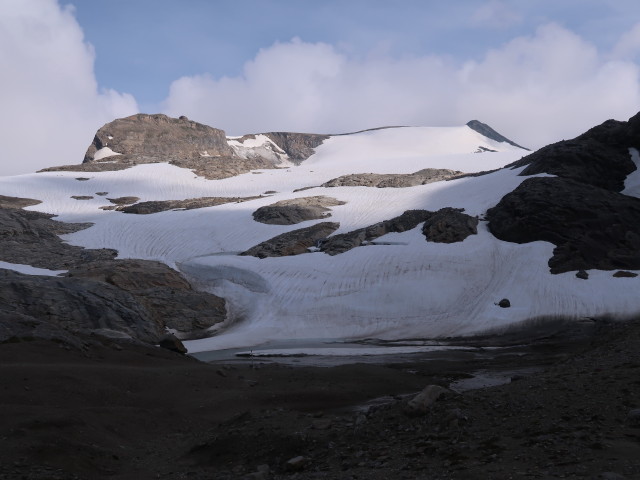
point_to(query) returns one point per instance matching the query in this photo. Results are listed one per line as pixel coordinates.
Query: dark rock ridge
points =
(395, 180)
(346, 241)
(487, 131)
(155, 206)
(295, 242)
(580, 211)
(447, 225)
(598, 157)
(290, 212)
(590, 226)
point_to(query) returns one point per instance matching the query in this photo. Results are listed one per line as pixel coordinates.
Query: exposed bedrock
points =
(392, 180)
(296, 210)
(598, 157)
(31, 238)
(295, 242)
(591, 227)
(155, 206)
(298, 146)
(76, 304)
(447, 225)
(144, 138)
(159, 136)
(168, 297)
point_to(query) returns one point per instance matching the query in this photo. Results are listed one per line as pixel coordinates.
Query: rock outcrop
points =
(346, 241)
(168, 298)
(76, 304)
(143, 138)
(155, 206)
(31, 238)
(580, 210)
(449, 225)
(295, 242)
(290, 212)
(590, 226)
(393, 180)
(487, 131)
(157, 138)
(298, 146)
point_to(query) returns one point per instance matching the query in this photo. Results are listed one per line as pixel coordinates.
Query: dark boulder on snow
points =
(295, 242)
(296, 210)
(449, 225)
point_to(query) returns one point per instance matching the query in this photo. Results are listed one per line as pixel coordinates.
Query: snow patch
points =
(104, 152)
(29, 270)
(632, 182)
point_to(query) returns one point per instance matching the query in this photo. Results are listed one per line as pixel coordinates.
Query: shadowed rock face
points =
(590, 226)
(290, 212)
(160, 137)
(31, 238)
(580, 211)
(76, 304)
(293, 243)
(598, 157)
(449, 225)
(487, 131)
(422, 177)
(166, 295)
(298, 146)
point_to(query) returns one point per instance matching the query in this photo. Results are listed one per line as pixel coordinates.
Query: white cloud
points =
(628, 45)
(51, 106)
(536, 89)
(496, 14)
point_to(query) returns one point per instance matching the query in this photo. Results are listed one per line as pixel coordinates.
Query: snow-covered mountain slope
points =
(400, 286)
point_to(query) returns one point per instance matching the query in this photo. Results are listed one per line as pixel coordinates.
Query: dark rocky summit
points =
(580, 210)
(295, 242)
(393, 180)
(290, 212)
(487, 131)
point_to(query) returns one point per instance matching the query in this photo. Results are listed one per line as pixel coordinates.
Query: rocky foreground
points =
(109, 408)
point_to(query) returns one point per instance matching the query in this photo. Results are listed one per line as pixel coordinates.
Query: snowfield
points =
(401, 287)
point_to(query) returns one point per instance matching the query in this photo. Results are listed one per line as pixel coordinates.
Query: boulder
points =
(421, 403)
(449, 225)
(295, 242)
(290, 212)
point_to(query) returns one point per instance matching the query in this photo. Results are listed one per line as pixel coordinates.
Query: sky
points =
(536, 71)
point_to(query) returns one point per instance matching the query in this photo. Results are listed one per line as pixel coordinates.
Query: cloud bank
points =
(51, 106)
(535, 89)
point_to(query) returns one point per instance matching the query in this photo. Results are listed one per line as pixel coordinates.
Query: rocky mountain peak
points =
(159, 137)
(487, 131)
